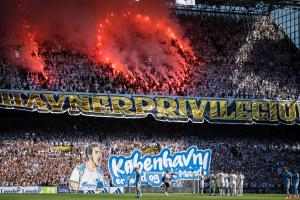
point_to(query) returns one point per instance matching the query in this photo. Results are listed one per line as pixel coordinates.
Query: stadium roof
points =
(248, 7)
(252, 3)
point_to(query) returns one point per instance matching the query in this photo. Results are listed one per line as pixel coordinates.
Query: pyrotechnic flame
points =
(32, 48)
(158, 33)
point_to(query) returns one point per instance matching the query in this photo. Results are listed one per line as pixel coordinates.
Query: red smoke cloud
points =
(130, 35)
(139, 44)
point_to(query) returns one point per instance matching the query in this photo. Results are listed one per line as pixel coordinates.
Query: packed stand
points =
(249, 57)
(27, 152)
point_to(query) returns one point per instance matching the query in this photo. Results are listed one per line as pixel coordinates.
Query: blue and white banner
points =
(63, 189)
(106, 190)
(184, 165)
(114, 190)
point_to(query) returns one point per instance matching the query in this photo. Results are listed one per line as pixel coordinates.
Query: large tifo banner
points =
(183, 165)
(163, 108)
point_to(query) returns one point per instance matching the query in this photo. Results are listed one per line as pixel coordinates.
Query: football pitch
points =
(148, 196)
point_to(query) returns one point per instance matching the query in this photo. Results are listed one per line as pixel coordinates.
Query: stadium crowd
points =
(245, 58)
(28, 155)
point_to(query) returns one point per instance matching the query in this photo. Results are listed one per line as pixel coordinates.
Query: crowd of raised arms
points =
(245, 58)
(27, 148)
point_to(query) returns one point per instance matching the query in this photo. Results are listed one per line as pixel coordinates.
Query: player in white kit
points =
(221, 177)
(212, 184)
(226, 189)
(88, 176)
(232, 183)
(201, 179)
(240, 183)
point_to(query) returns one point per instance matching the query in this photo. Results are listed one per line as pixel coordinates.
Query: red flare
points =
(159, 32)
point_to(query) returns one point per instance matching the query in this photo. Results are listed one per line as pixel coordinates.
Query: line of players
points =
(226, 184)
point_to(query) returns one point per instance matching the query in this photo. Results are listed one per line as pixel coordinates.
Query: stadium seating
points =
(27, 147)
(245, 58)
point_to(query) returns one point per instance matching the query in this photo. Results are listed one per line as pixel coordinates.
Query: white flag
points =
(185, 2)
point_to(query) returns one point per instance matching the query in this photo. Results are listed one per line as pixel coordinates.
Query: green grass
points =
(148, 196)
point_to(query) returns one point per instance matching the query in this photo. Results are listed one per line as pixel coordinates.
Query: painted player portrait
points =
(88, 175)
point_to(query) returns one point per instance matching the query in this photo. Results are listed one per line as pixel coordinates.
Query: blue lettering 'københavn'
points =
(186, 165)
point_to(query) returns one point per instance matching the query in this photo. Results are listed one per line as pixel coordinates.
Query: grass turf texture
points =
(177, 196)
